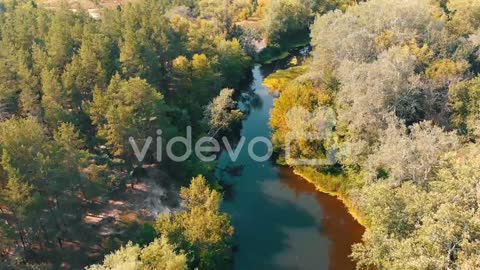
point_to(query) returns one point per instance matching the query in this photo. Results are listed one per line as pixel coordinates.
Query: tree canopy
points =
(74, 89)
(402, 81)
(201, 227)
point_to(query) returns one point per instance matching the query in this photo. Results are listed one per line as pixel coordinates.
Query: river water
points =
(280, 220)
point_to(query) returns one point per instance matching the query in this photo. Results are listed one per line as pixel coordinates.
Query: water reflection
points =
(337, 224)
(280, 221)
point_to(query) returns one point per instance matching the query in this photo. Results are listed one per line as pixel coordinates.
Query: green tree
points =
(158, 255)
(195, 84)
(465, 16)
(56, 101)
(38, 171)
(232, 62)
(128, 108)
(464, 98)
(91, 67)
(222, 113)
(201, 228)
(161, 255)
(8, 87)
(132, 57)
(287, 17)
(63, 37)
(29, 98)
(126, 258)
(225, 12)
(422, 145)
(355, 34)
(423, 228)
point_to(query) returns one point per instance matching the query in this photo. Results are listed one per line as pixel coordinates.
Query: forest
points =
(402, 81)
(396, 84)
(73, 90)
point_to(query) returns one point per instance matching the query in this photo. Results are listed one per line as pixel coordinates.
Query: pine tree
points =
(201, 227)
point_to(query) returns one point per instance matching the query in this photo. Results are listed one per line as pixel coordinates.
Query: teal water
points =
(280, 220)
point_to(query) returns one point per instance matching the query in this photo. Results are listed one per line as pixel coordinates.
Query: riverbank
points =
(269, 55)
(355, 213)
(336, 184)
(281, 221)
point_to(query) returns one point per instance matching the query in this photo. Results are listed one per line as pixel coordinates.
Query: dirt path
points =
(143, 202)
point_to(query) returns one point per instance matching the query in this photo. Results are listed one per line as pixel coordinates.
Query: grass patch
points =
(330, 182)
(334, 183)
(279, 80)
(273, 55)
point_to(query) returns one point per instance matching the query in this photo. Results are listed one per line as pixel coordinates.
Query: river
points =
(281, 222)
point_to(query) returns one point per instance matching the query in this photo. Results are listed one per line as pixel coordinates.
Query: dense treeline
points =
(74, 89)
(285, 24)
(396, 85)
(287, 19)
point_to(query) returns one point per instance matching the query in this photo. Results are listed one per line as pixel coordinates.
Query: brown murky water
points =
(337, 223)
(281, 221)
